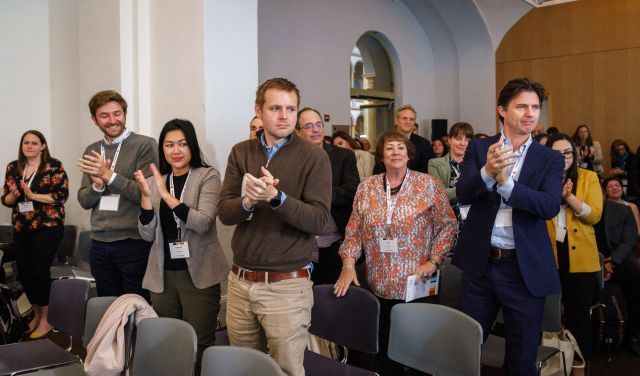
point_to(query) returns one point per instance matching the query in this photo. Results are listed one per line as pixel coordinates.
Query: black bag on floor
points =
(12, 327)
(609, 321)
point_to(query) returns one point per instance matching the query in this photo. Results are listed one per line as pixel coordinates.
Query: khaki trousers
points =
(277, 314)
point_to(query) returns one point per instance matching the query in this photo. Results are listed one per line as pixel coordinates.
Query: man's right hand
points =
(498, 157)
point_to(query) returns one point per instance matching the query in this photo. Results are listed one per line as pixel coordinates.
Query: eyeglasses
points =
(309, 126)
(567, 154)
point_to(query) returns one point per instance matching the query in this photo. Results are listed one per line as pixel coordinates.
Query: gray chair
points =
(67, 304)
(96, 308)
(237, 361)
(493, 349)
(164, 346)
(435, 339)
(80, 268)
(67, 307)
(350, 321)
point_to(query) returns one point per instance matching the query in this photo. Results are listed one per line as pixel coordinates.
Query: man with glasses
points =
(513, 185)
(405, 122)
(345, 180)
(275, 192)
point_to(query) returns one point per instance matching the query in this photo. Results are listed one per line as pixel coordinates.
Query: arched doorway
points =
(372, 87)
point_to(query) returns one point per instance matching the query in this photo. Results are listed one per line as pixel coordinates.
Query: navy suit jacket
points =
(536, 197)
(344, 182)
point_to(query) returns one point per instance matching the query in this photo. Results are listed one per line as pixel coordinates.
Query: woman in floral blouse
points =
(404, 223)
(36, 188)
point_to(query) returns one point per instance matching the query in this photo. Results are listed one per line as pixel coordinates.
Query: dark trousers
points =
(578, 294)
(119, 266)
(387, 366)
(34, 254)
(199, 307)
(502, 286)
(329, 265)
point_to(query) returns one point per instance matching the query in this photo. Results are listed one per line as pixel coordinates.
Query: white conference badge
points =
(388, 245)
(109, 202)
(503, 219)
(25, 206)
(179, 250)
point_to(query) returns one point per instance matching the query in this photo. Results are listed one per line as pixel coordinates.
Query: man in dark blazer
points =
(513, 185)
(405, 123)
(344, 183)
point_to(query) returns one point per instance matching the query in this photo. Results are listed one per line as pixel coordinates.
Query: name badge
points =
(464, 211)
(25, 206)
(109, 202)
(388, 245)
(561, 232)
(503, 219)
(179, 250)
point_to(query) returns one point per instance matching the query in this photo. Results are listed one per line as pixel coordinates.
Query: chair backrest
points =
(67, 305)
(552, 315)
(164, 346)
(435, 339)
(237, 361)
(68, 244)
(450, 285)
(350, 321)
(6, 234)
(81, 255)
(96, 307)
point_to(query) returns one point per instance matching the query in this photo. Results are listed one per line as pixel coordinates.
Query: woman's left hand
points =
(425, 270)
(27, 191)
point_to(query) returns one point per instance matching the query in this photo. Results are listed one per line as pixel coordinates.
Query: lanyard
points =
(24, 176)
(173, 194)
(391, 204)
(115, 156)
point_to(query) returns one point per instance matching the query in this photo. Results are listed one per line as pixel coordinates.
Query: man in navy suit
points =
(344, 183)
(513, 185)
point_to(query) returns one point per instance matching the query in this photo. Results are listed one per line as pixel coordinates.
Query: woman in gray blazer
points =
(178, 214)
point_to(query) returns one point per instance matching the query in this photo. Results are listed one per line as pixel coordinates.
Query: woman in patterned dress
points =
(403, 222)
(36, 188)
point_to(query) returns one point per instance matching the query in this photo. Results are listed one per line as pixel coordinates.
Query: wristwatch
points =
(276, 200)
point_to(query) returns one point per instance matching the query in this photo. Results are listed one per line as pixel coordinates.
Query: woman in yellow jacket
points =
(574, 240)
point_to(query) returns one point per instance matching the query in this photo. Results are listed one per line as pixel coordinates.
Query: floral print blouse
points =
(51, 180)
(422, 221)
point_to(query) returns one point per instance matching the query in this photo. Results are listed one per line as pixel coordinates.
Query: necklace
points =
(395, 190)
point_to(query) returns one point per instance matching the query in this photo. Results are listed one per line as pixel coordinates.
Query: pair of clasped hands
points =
(259, 189)
(499, 158)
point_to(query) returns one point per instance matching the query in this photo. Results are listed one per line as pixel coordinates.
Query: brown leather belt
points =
(501, 253)
(268, 277)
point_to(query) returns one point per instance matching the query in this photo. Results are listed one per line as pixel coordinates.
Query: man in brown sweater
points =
(277, 191)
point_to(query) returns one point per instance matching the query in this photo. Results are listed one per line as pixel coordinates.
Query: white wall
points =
(25, 80)
(310, 43)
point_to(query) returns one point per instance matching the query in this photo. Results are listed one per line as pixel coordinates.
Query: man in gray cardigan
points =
(277, 191)
(118, 255)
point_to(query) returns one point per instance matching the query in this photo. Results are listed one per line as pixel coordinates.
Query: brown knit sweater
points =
(279, 239)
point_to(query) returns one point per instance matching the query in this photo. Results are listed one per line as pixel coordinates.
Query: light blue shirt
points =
(502, 237)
